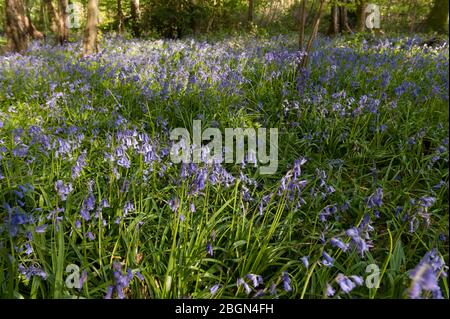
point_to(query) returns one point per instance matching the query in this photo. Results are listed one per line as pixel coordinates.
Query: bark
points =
(90, 41)
(334, 27)
(438, 17)
(301, 35)
(250, 12)
(53, 17)
(339, 20)
(63, 35)
(361, 17)
(312, 36)
(120, 17)
(344, 19)
(16, 26)
(136, 18)
(33, 32)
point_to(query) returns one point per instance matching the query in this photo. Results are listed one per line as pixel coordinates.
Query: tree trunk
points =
(63, 36)
(136, 18)
(42, 22)
(344, 19)
(53, 17)
(312, 36)
(438, 17)
(16, 26)
(250, 12)
(361, 17)
(120, 17)
(339, 20)
(90, 44)
(301, 35)
(333, 29)
(33, 32)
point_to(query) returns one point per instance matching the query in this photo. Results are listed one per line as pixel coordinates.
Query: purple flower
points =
(63, 189)
(286, 281)
(213, 290)
(174, 204)
(139, 276)
(346, 284)
(32, 271)
(327, 260)
(305, 260)
(336, 242)
(426, 274)
(129, 207)
(41, 229)
(109, 292)
(427, 201)
(376, 199)
(83, 278)
(256, 279)
(247, 288)
(209, 249)
(330, 291)
(79, 165)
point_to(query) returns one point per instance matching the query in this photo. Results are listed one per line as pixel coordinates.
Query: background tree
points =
(136, 18)
(338, 19)
(438, 18)
(302, 22)
(120, 18)
(33, 32)
(361, 16)
(16, 26)
(63, 35)
(90, 41)
(250, 12)
(53, 17)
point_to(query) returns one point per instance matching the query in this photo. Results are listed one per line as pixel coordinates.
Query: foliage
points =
(85, 176)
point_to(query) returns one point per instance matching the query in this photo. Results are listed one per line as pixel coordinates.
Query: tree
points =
(339, 19)
(63, 35)
(438, 18)
(250, 12)
(53, 17)
(33, 32)
(120, 18)
(312, 36)
(90, 41)
(302, 23)
(361, 16)
(16, 26)
(135, 18)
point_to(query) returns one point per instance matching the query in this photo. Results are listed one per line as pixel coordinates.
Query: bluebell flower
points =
(209, 249)
(41, 229)
(213, 290)
(426, 274)
(129, 207)
(256, 279)
(305, 260)
(336, 242)
(327, 260)
(286, 281)
(32, 271)
(63, 189)
(376, 199)
(346, 284)
(247, 288)
(330, 291)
